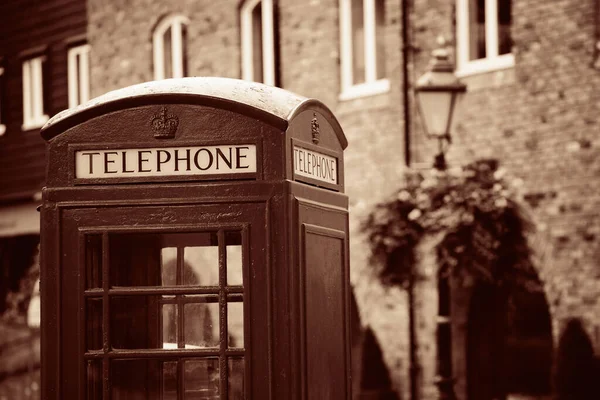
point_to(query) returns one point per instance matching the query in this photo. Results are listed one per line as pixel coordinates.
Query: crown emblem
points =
(314, 128)
(164, 125)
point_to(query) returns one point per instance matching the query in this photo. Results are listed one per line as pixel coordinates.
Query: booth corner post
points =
(195, 242)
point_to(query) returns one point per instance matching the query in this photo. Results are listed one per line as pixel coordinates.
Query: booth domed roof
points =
(279, 103)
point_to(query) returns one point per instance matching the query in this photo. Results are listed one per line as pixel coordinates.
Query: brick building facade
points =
(535, 111)
(539, 118)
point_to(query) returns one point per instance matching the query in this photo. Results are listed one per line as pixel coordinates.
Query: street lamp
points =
(438, 92)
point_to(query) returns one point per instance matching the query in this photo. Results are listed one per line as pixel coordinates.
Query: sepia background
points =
(528, 127)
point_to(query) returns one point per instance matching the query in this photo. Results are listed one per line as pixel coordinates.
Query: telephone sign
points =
(195, 246)
(168, 161)
(311, 164)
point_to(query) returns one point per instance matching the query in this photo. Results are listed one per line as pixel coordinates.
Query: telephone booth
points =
(195, 246)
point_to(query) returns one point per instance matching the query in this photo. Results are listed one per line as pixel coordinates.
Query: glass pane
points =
(136, 379)
(504, 22)
(169, 326)
(201, 379)
(94, 380)
(168, 56)
(201, 323)
(434, 108)
(358, 42)
(93, 317)
(257, 43)
(135, 259)
(93, 261)
(198, 263)
(380, 37)
(184, 51)
(235, 324)
(233, 242)
(476, 29)
(236, 378)
(168, 266)
(78, 77)
(201, 265)
(164, 259)
(457, 111)
(169, 380)
(136, 322)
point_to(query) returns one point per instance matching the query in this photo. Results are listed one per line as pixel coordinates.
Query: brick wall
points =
(120, 36)
(540, 119)
(120, 33)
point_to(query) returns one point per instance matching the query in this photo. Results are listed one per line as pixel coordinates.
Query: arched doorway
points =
(509, 344)
(370, 376)
(375, 381)
(356, 339)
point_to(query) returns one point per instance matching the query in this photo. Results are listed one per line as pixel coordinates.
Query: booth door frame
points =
(249, 219)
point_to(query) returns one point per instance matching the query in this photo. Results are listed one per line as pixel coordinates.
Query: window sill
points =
(365, 89)
(30, 125)
(486, 65)
(2, 129)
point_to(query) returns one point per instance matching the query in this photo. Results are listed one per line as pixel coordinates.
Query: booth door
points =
(163, 309)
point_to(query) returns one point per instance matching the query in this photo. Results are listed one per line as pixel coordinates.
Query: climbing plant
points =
(476, 212)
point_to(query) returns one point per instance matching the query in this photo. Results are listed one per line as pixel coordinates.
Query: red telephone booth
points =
(195, 246)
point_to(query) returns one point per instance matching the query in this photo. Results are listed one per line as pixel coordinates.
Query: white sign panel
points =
(312, 164)
(170, 161)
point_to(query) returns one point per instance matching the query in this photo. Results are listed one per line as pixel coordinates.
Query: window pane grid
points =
(358, 40)
(162, 354)
(180, 313)
(78, 75)
(504, 23)
(223, 314)
(105, 314)
(483, 33)
(257, 43)
(233, 292)
(27, 107)
(169, 48)
(196, 299)
(477, 29)
(178, 296)
(362, 31)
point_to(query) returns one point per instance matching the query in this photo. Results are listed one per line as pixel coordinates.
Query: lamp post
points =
(438, 93)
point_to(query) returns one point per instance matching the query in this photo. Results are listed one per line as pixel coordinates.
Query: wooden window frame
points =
(372, 85)
(493, 61)
(33, 93)
(176, 23)
(78, 74)
(268, 40)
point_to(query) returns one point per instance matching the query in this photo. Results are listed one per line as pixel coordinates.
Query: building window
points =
(483, 35)
(2, 126)
(362, 24)
(258, 41)
(79, 75)
(169, 46)
(34, 115)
